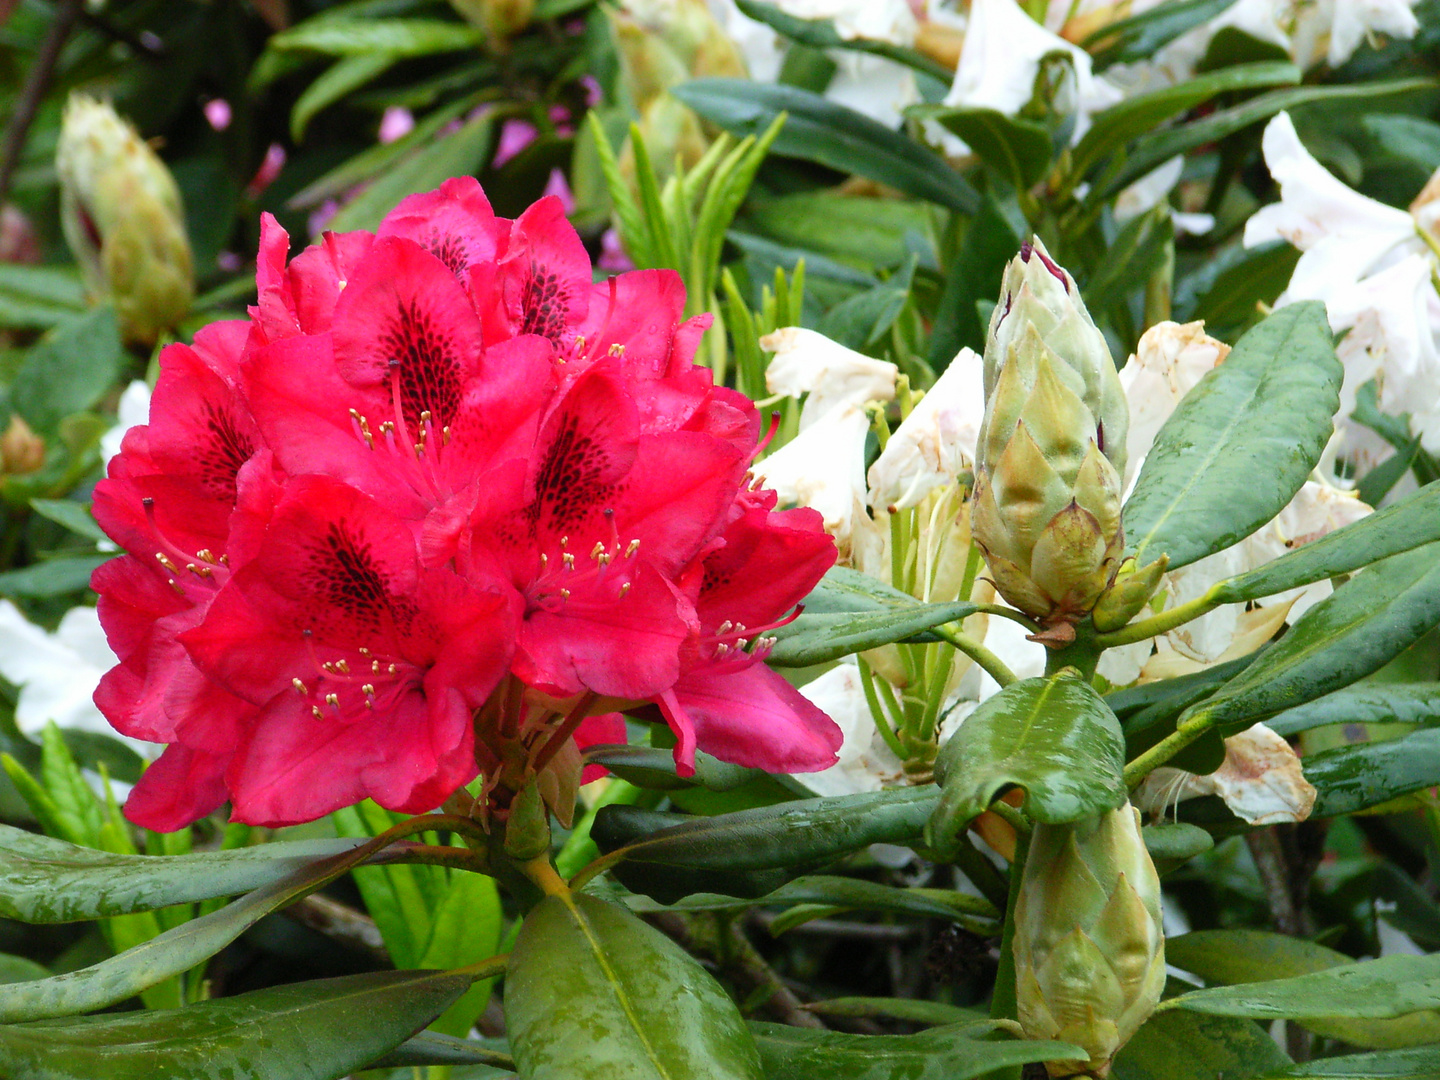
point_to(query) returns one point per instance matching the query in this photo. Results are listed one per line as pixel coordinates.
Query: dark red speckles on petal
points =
(587, 446)
(455, 224)
(545, 274)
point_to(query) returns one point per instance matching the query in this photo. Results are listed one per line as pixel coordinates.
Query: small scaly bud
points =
(1134, 586)
(1089, 947)
(21, 450)
(121, 214)
(1051, 451)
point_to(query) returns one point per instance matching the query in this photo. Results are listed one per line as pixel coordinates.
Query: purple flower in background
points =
(396, 123)
(217, 112)
(515, 136)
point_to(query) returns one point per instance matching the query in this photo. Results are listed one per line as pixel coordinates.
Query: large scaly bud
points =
(122, 218)
(1051, 452)
(1089, 948)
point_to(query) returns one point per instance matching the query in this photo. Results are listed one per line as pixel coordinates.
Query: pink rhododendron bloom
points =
(443, 507)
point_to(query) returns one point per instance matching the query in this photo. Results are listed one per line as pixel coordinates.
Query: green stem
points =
(877, 713)
(1183, 735)
(992, 664)
(1011, 816)
(1008, 613)
(1002, 1000)
(981, 872)
(1082, 654)
(1164, 622)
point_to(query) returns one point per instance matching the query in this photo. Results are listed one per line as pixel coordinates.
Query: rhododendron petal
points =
(754, 717)
(769, 563)
(638, 315)
(602, 730)
(320, 273)
(545, 274)
(454, 223)
(178, 787)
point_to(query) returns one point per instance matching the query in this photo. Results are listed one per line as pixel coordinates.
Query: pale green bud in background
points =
(122, 218)
(1051, 451)
(1089, 946)
(500, 19)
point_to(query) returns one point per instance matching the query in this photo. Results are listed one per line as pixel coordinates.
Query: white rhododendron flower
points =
(57, 673)
(1168, 361)
(865, 762)
(823, 467)
(1261, 781)
(1003, 51)
(936, 442)
(827, 372)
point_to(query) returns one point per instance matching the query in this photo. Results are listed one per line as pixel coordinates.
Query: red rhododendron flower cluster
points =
(439, 505)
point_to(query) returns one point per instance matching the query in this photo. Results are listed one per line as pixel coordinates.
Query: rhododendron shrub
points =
(442, 507)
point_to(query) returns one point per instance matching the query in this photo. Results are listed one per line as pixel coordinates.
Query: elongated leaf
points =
(49, 881)
(821, 637)
(1140, 248)
(1055, 738)
(1410, 137)
(821, 131)
(431, 1048)
(69, 370)
(1241, 443)
(930, 1013)
(821, 34)
(952, 1052)
(1019, 150)
(347, 74)
(1415, 1063)
(1364, 703)
(39, 297)
(1352, 778)
(392, 37)
(466, 929)
(646, 767)
(787, 834)
(1354, 631)
(1137, 115)
(1408, 523)
(170, 953)
(1382, 1003)
(632, 1004)
(1161, 146)
(991, 240)
(1140, 36)
(305, 1031)
(1192, 1046)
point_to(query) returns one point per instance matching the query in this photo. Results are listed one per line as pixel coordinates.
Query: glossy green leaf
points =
(821, 131)
(170, 953)
(305, 1031)
(1143, 113)
(75, 516)
(991, 239)
(1158, 147)
(1055, 738)
(631, 1005)
(1414, 1063)
(647, 767)
(458, 153)
(1385, 1003)
(20, 969)
(821, 34)
(1351, 778)
(392, 37)
(1176, 842)
(861, 320)
(930, 1013)
(1192, 1046)
(1140, 248)
(952, 1052)
(1406, 524)
(43, 880)
(1353, 632)
(1225, 290)
(1241, 443)
(786, 834)
(69, 370)
(430, 1048)
(1140, 36)
(51, 577)
(1018, 149)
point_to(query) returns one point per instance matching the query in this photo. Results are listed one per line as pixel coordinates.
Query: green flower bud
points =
(122, 218)
(663, 43)
(500, 19)
(1134, 585)
(1089, 948)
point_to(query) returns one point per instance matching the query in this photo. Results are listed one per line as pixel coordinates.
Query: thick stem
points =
(544, 876)
(1002, 1000)
(1162, 623)
(1082, 654)
(1167, 748)
(993, 665)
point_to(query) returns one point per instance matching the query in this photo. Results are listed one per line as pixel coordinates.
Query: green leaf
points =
(653, 769)
(1354, 631)
(393, 37)
(1176, 842)
(430, 1048)
(347, 74)
(1406, 524)
(1364, 703)
(1141, 36)
(1018, 149)
(632, 1004)
(460, 153)
(832, 135)
(172, 952)
(73, 515)
(1241, 443)
(39, 297)
(929, 1013)
(1138, 251)
(1158, 147)
(1053, 737)
(69, 370)
(1191, 1046)
(53, 577)
(43, 880)
(1226, 288)
(20, 969)
(991, 240)
(305, 1031)
(466, 929)
(1411, 138)
(821, 34)
(861, 320)
(1378, 1004)
(791, 833)
(1351, 778)
(1415, 1063)
(1136, 116)
(823, 636)
(953, 1052)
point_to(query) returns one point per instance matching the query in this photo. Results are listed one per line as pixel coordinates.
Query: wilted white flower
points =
(823, 467)
(936, 442)
(806, 362)
(1316, 510)
(1261, 781)
(1001, 58)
